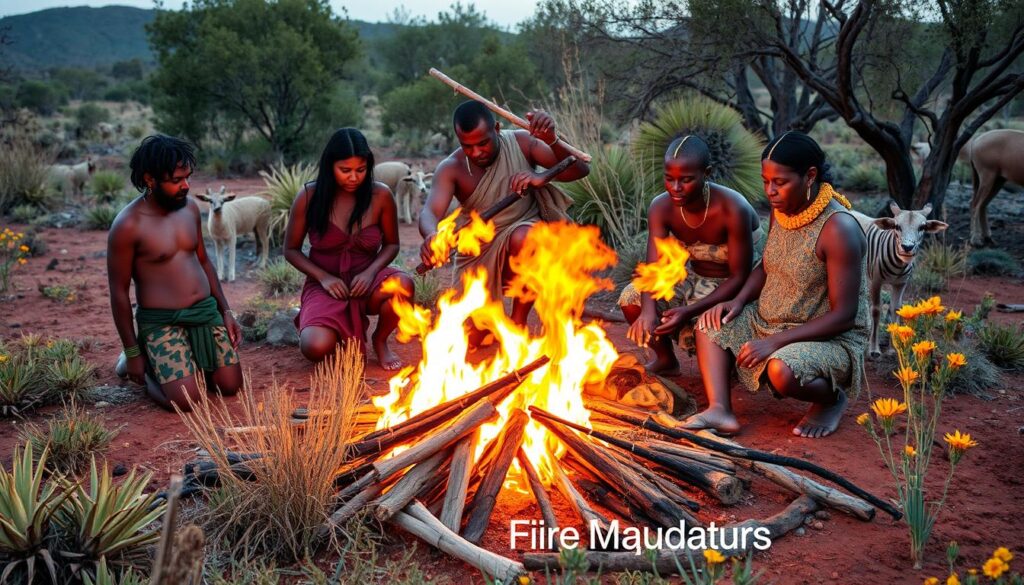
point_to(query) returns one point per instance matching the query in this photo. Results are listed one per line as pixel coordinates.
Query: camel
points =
(996, 156)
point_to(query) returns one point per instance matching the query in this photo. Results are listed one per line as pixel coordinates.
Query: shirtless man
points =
(490, 164)
(184, 320)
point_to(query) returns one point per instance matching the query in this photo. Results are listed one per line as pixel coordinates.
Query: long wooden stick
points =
(418, 521)
(584, 510)
(753, 454)
(510, 439)
(163, 550)
(458, 482)
(458, 87)
(540, 495)
(406, 488)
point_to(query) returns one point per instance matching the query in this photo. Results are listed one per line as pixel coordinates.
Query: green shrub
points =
(24, 213)
(282, 184)
(61, 293)
(936, 263)
(21, 385)
(256, 315)
(864, 177)
(39, 96)
(101, 217)
(25, 175)
(89, 115)
(735, 151)
(629, 254)
(1003, 345)
(928, 282)
(994, 262)
(280, 278)
(68, 379)
(136, 131)
(71, 438)
(107, 185)
(428, 288)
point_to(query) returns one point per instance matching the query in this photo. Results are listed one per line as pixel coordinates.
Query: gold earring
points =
(809, 185)
(707, 193)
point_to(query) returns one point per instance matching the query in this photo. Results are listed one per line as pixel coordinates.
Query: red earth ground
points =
(984, 509)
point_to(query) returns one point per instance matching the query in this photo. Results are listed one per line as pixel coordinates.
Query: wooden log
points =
(667, 561)
(584, 510)
(417, 425)
(822, 494)
(406, 488)
(418, 521)
(464, 424)
(540, 495)
(602, 493)
(714, 483)
(458, 482)
(701, 456)
(736, 450)
(630, 484)
(507, 445)
(670, 488)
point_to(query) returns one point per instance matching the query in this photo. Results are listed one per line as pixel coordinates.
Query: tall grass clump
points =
(992, 262)
(24, 174)
(107, 185)
(735, 151)
(1003, 345)
(281, 185)
(279, 278)
(71, 438)
(100, 217)
(936, 263)
(278, 514)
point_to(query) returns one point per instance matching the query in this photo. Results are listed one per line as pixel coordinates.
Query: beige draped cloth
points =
(547, 203)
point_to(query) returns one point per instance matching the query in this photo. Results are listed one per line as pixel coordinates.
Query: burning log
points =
(724, 487)
(670, 488)
(458, 482)
(684, 452)
(406, 488)
(507, 445)
(667, 561)
(464, 424)
(604, 494)
(586, 513)
(735, 450)
(630, 484)
(822, 494)
(418, 521)
(540, 495)
(384, 439)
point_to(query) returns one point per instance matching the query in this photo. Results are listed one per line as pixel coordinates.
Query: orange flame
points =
(467, 240)
(661, 276)
(555, 269)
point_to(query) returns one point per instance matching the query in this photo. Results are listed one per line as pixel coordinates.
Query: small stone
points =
(835, 575)
(119, 470)
(63, 250)
(281, 329)
(800, 531)
(18, 326)
(808, 520)
(823, 515)
(102, 404)
(53, 264)
(817, 525)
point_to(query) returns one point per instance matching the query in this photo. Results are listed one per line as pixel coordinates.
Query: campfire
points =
(541, 410)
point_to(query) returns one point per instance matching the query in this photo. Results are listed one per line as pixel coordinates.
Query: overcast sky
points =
(506, 13)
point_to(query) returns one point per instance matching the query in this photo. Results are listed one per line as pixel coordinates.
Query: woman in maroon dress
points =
(352, 223)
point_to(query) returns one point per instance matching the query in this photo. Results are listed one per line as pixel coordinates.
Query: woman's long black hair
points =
(799, 152)
(345, 143)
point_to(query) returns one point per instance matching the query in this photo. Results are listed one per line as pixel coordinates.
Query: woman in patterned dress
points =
(800, 323)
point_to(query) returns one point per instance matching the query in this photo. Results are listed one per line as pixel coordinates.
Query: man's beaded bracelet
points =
(132, 351)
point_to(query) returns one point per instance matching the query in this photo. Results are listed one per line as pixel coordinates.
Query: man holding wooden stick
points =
(490, 164)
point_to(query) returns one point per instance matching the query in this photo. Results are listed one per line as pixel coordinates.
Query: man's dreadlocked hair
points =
(159, 155)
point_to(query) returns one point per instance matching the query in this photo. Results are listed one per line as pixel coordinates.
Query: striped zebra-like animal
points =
(893, 243)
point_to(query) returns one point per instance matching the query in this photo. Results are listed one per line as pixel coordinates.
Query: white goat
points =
(410, 187)
(72, 178)
(226, 222)
(893, 243)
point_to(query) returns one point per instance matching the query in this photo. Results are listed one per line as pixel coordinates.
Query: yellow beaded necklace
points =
(825, 194)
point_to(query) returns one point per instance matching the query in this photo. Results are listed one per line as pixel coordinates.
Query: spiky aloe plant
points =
(283, 183)
(107, 576)
(109, 521)
(27, 508)
(735, 151)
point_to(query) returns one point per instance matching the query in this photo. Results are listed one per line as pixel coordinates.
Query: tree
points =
(272, 65)
(130, 70)
(975, 75)
(39, 96)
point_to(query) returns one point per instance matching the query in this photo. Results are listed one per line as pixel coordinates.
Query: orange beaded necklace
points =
(825, 194)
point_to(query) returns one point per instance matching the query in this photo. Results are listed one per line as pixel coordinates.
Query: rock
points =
(800, 531)
(53, 264)
(119, 470)
(808, 520)
(823, 515)
(102, 404)
(121, 367)
(281, 329)
(817, 525)
(15, 325)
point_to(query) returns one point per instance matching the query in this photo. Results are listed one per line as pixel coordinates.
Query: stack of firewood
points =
(628, 464)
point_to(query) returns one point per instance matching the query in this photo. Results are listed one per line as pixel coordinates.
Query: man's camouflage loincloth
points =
(170, 354)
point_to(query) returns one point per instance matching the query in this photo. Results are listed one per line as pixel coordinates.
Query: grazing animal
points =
(893, 243)
(410, 187)
(996, 157)
(229, 218)
(72, 178)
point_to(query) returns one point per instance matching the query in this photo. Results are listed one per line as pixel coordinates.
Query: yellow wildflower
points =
(932, 306)
(960, 441)
(713, 557)
(907, 376)
(972, 571)
(931, 581)
(910, 451)
(956, 360)
(23, 248)
(1002, 553)
(888, 407)
(22, 261)
(953, 579)
(524, 580)
(953, 316)
(3, 358)
(908, 312)
(863, 418)
(994, 567)
(923, 348)
(905, 333)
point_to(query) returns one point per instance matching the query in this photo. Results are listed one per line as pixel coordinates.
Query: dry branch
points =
(458, 482)
(507, 445)
(540, 495)
(406, 488)
(584, 510)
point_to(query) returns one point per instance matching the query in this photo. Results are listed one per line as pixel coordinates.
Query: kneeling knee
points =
(315, 351)
(780, 377)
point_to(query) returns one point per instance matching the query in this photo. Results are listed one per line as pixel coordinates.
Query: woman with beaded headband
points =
(719, 229)
(800, 323)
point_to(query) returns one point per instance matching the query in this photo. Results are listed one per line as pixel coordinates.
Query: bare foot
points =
(664, 366)
(715, 419)
(387, 358)
(821, 419)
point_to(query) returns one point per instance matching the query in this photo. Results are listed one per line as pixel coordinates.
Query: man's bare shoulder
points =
(450, 165)
(126, 222)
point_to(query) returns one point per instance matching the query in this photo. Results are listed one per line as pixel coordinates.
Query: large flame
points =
(467, 239)
(661, 276)
(556, 270)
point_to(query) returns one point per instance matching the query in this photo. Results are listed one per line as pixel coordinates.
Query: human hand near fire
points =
(755, 352)
(672, 320)
(334, 286)
(713, 318)
(362, 284)
(641, 331)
